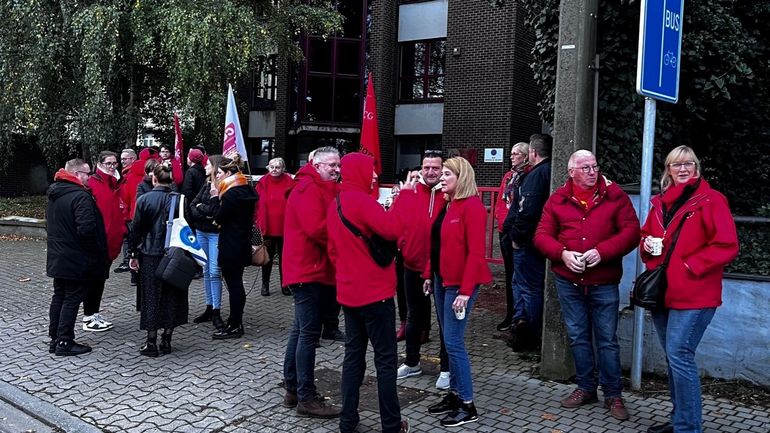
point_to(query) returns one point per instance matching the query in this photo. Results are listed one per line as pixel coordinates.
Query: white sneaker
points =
(406, 371)
(98, 316)
(443, 380)
(96, 326)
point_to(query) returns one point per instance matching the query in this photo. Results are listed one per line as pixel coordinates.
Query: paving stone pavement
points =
(234, 385)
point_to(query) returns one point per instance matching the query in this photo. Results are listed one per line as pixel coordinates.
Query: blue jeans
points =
(528, 287)
(453, 330)
(212, 275)
(680, 332)
(299, 362)
(376, 323)
(591, 315)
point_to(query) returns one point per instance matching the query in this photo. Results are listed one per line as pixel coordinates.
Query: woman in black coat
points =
(161, 306)
(232, 205)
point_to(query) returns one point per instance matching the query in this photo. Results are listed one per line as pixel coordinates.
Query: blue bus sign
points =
(660, 48)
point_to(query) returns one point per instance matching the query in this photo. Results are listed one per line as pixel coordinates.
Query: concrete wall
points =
(735, 346)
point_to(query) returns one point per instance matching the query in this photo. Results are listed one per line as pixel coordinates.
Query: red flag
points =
(370, 132)
(178, 143)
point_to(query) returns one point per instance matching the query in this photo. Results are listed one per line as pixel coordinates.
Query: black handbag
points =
(649, 290)
(383, 252)
(177, 268)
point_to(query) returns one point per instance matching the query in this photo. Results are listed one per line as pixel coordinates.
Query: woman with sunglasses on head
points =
(707, 242)
(273, 190)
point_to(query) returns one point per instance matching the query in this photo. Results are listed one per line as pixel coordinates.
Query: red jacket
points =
(708, 241)
(271, 207)
(132, 176)
(610, 225)
(360, 281)
(108, 194)
(462, 246)
(423, 211)
(304, 256)
(502, 205)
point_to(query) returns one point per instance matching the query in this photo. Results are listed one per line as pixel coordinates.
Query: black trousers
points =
(400, 289)
(274, 246)
(65, 303)
(330, 311)
(506, 250)
(418, 315)
(376, 323)
(92, 300)
(233, 276)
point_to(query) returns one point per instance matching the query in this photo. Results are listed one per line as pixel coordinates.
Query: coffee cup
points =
(656, 246)
(460, 313)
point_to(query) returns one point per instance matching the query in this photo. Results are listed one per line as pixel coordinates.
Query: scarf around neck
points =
(237, 179)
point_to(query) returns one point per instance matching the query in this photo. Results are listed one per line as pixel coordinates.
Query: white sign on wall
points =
(493, 155)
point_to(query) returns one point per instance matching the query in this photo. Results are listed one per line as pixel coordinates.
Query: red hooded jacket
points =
(133, 176)
(707, 243)
(415, 240)
(462, 246)
(304, 255)
(271, 207)
(610, 225)
(361, 281)
(109, 199)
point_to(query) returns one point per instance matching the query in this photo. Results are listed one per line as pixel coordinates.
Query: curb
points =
(22, 226)
(43, 411)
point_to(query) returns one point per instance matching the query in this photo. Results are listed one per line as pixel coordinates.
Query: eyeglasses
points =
(330, 164)
(274, 167)
(111, 164)
(587, 168)
(127, 158)
(518, 153)
(678, 165)
(83, 172)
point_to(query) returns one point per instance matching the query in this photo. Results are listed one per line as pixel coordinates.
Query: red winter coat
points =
(304, 257)
(610, 225)
(462, 246)
(132, 176)
(707, 243)
(360, 281)
(109, 199)
(271, 207)
(423, 211)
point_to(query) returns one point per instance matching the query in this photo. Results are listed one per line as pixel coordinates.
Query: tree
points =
(82, 76)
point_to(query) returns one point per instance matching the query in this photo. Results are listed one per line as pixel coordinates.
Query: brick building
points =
(452, 75)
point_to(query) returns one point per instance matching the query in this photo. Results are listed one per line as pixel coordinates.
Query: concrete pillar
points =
(572, 130)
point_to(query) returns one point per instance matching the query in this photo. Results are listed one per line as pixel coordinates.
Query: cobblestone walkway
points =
(234, 385)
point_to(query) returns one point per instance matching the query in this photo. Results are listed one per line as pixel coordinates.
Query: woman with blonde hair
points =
(707, 241)
(456, 269)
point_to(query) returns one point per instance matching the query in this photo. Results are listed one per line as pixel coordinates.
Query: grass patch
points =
(32, 206)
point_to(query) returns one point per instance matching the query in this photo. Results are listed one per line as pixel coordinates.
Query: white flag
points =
(233, 141)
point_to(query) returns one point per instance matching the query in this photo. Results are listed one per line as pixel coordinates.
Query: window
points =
(422, 70)
(411, 148)
(264, 84)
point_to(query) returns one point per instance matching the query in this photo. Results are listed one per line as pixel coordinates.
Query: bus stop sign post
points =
(657, 78)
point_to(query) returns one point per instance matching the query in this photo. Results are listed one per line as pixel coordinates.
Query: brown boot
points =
(317, 408)
(289, 399)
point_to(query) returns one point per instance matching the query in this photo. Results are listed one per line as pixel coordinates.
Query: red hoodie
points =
(462, 246)
(271, 207)
(304, 231)
(361, 281)
(415, 241)
(108, 194)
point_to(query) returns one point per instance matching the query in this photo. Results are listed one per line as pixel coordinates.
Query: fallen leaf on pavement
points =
(24, 280)
(549, 416)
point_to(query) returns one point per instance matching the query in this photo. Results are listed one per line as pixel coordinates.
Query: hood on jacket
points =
(356, 171)
(305, 170)
(64, 183)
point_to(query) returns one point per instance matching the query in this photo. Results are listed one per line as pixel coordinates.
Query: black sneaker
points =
(449, 403)
(123, 267)
(150, 349)
(52, 346)
(71, 348)
(335, 335)
(464, 414)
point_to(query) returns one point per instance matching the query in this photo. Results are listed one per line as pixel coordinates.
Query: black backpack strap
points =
(675, 238)
(345, 221)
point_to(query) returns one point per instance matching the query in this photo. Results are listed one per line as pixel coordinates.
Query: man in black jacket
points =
(77, 252)
(528, 263)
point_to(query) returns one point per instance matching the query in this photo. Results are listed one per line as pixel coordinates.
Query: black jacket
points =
(234, 211)
(194, 179)
(148, 229)
(146, 186)
(77, 244)
(522, 218)
(201, 215)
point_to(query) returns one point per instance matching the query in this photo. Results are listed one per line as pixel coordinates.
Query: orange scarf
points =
(237, 179)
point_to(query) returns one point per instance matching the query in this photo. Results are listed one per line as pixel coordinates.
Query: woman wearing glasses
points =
(273, 190)
(707, 242)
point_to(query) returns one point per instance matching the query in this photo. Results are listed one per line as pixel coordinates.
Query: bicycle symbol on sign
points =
(669, 59)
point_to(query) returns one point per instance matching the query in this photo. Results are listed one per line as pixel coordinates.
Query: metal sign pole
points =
(648, 144)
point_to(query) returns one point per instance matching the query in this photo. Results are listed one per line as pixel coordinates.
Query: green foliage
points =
(754, 240)
(84, 76)
(543, 17)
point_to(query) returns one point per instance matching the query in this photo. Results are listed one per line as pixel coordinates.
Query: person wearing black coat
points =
(160, 305)
(232, 205)
(194, 177)
(76, 255)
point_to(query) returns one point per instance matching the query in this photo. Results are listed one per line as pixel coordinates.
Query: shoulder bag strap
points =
(675, 238)
(345, 221)
(170, 222)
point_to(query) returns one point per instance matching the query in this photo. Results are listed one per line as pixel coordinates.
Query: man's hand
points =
(592, 258)
(427, 287)
(133, 264)
(574, 261)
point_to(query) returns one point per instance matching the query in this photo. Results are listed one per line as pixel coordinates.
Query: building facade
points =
(450, 75)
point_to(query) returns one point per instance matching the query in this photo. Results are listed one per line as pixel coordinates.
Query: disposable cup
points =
(460, 314)
(656, 246)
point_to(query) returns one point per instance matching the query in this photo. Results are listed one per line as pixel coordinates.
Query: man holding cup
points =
(588, 225)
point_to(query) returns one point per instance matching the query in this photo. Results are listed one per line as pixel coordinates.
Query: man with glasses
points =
(76, 256)
(588, 225)
(308, 272)
(528, 263)
(106, 187)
